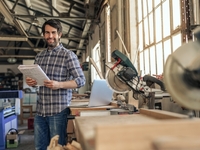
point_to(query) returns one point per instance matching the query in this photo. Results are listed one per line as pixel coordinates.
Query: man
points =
(63, 69)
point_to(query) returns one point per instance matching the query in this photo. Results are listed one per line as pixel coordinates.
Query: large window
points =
(96, 58)
(159, 32)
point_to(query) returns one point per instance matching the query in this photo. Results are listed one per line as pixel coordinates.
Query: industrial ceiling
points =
(21, 22)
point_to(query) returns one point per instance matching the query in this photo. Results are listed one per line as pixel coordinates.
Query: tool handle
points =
(150, 80)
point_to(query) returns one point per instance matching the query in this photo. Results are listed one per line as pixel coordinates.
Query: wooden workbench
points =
(79, 102)
(76, 111)
(148, 130)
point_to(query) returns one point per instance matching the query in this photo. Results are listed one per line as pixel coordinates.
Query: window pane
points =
(155, 29)
(146, 61)
(144, 8)
(151, 28)
(159, 57)
(96, 57)
(158, 24)
(153, 60)
(139, 12)
(166, 19)
(156, 2)
(176, 13)
(167, 49)
(142, 63)
(140, 36)
(146, 31)
(176, 41)
(149, 5)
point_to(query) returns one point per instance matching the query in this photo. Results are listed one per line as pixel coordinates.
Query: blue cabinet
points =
(8, 121)
(5, 125)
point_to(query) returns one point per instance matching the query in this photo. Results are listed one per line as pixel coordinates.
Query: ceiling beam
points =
(79, 4)
(15, 38)
(37, 48)
(23, 38)
(72, 49)
(62, 16)
(7, 14)
(74, 26)
(21, 48)
(17, 56)
(90, 12)
(52, 6)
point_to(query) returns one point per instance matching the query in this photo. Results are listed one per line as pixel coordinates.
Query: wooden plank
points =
(141, 136)
(85, 101)
(174, 143)
(95, 113)
(85, 126)
(79, 96)
(80, 100)
(73, 146)
(131, 131)
(114, 103)
(96, 68)
(77, 110)
(160, 114)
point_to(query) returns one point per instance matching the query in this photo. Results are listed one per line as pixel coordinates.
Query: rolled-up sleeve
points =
(75, 69)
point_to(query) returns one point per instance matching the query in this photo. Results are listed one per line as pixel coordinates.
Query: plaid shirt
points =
(59, 64)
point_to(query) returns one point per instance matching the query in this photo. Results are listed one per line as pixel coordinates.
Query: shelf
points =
(8, 82)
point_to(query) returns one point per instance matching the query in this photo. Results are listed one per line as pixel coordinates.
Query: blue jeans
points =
(47, 127)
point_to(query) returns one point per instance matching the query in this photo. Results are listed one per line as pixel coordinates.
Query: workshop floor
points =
(26, 139)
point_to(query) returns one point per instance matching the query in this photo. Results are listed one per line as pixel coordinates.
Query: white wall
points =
(13, 67)
(94, 40)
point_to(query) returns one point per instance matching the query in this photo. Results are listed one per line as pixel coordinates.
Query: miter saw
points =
(122, 77)
(182, 74)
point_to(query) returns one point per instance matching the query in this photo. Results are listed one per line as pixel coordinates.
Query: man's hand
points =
(54, 85)
(30, 82)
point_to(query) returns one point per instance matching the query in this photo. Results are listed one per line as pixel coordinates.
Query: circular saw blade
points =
(186, 95)
(115, 83)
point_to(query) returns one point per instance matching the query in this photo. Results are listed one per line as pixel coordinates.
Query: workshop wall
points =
(101, 30)
(115, 18)
(98, 37)
(13, 67)
(120, 16)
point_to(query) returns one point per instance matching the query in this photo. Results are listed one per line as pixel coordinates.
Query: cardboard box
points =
(12, 140)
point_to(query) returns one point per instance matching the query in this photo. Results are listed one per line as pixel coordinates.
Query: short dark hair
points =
(53, 23)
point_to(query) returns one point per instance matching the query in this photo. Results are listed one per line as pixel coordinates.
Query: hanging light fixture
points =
(12, 60)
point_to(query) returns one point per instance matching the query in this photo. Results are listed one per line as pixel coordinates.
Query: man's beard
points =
(54, 44)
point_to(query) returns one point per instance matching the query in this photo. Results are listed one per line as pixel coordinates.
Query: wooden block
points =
(73, 146)
(137, 131)
(77, 145)
(95, 113)
(176, 143)
(141, 136)
(160, 114)
(85, 126)
(76, 110)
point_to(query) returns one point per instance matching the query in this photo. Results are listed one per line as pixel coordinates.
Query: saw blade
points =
(115, 83)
